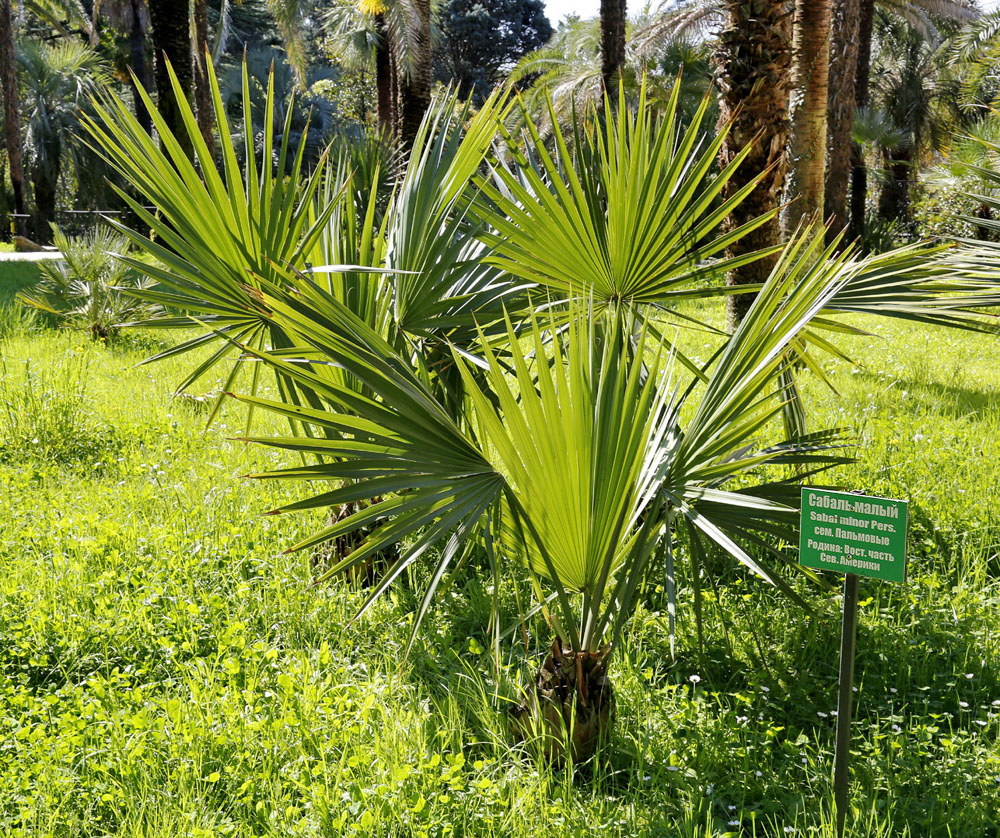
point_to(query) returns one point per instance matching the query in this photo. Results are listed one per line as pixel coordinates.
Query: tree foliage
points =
(481, 40)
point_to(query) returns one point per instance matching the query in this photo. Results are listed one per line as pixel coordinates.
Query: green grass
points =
(166, 671)
(15, 276)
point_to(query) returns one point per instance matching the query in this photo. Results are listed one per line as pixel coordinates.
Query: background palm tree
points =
(414, 70)
(202, 89)
(903, 88)
(172, 46)
(58, 81)
(613, 19)
(807, 148)
(844, 36)
(360, 37)
(849, 65)
(11, 107)
(395, 38)
(753, 60)
(132, 18)
(849, 89)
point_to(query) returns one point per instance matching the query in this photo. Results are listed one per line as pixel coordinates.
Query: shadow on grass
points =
(953, 400)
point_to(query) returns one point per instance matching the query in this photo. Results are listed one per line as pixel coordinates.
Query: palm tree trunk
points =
(613, 15)
(843, 73)
(753, 58)
(395, 103)
(202, 89)
(415, 85)
(383, 75)
(140, 66)
(45, 180)
(859, 173)
(571, 706)
(11, 108)
(810, 91)
(173, 46)
(894, 199)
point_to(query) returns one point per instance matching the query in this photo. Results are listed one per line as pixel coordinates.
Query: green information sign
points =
(853, 534)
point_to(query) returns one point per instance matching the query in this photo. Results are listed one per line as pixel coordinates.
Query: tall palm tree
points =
(845, 31)
(11, 106)
(131, 17)
(58, 82)
(848, 74)
(172, 47)
(849, 89)
(394, 38)
(361, 37)
(859, 171)
(753, 58)
(807, 148)
(613, 19)
(415, 74)
(202, 88)
(904, 87)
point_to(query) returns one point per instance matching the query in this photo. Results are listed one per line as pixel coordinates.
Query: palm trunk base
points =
(571, 709)
(330, 553)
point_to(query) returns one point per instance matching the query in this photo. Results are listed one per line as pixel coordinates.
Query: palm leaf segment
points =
(626, 216)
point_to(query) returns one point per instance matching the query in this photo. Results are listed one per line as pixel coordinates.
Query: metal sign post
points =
(857, 535)
(845, 701)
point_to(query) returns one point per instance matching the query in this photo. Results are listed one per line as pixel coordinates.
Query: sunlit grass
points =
(165, 670)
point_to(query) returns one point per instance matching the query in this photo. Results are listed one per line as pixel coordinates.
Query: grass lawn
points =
(14, 276)
(166, 671)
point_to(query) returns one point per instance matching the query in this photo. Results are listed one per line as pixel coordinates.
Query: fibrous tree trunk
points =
(172, 42)
(44, 181)
(894, 199)
(810, 91)
(11, 107)
(383, 75)
(753, 58)
(415, 80)
(859, 172)
(844, 30)
(202, 88)
(395, 104)
(613, 13)
(140, 64)
(571, 706)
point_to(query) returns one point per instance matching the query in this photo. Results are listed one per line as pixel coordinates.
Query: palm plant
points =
(11, 106)
(89, 287)
(576, 465)
(396, 37)
(577, 439)
(904, 87)
(57, 82)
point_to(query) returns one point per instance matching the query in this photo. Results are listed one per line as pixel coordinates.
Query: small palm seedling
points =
(90, 287)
